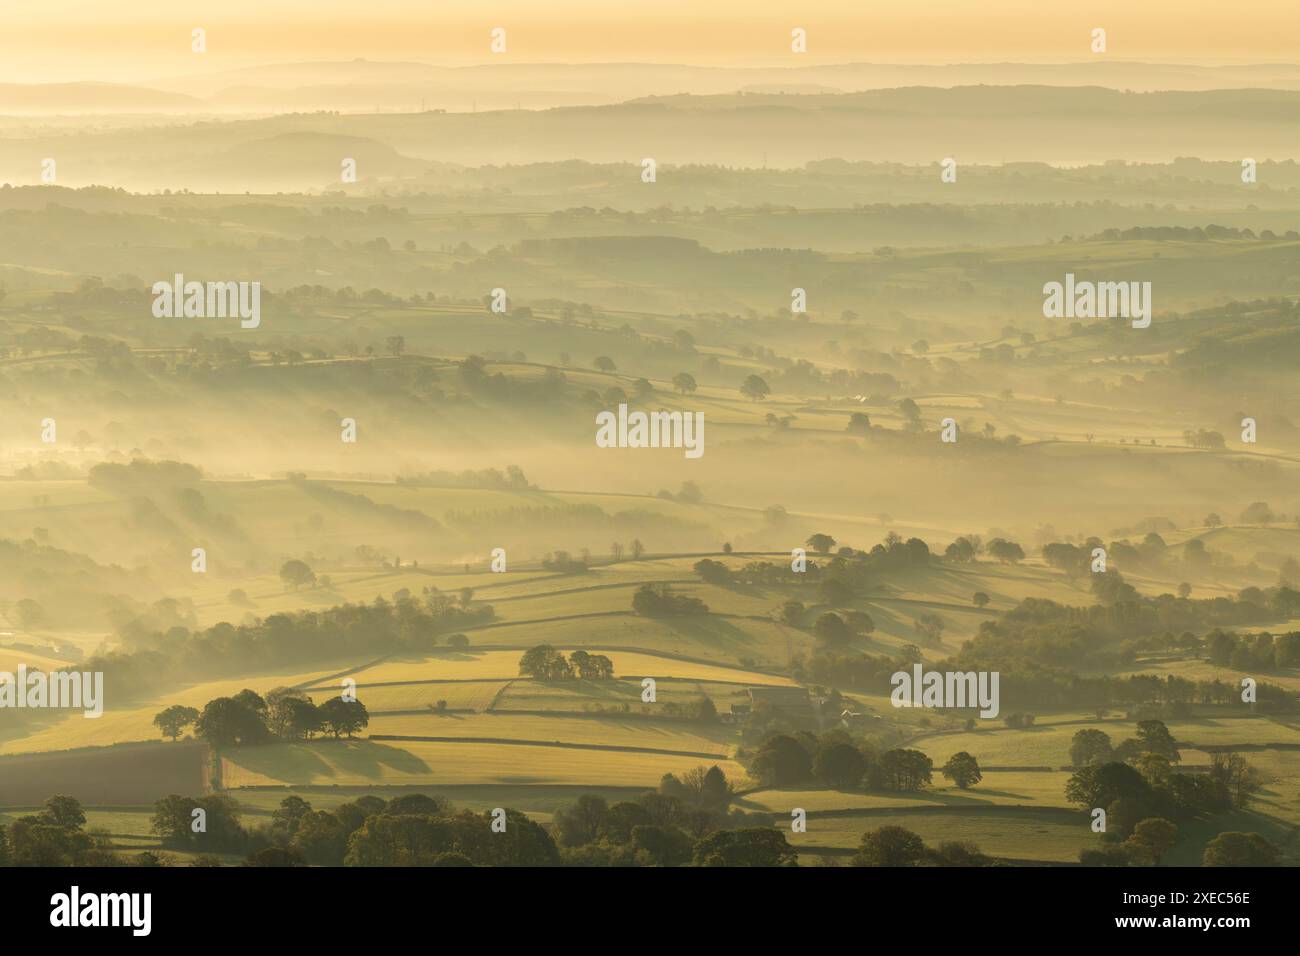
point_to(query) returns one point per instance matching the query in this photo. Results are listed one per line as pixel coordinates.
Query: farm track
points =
(341, 674)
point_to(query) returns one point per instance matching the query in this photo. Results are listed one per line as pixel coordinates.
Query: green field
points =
(404, 482)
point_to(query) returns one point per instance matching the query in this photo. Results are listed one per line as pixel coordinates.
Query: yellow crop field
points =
(615, 731)
(404, 763)
(135, 721)
(479, 665)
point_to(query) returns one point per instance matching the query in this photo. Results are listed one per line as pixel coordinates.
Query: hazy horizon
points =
(556, 457)
(69, 40)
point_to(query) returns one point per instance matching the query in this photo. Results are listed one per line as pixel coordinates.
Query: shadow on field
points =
(1194, 835)
(321, 760)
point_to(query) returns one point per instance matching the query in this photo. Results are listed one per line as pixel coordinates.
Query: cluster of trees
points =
(1091, 747)
(836, 760)
(1193, 233)
(1142, 794)
(513, 479)
(893, 553)
(831, 629)
(1205, 439)
(966, 548)
(1257, 652)
(1146, 844)
(685, 821)
(411, 830)
(898, 846)
(1136, 782)
(656, 600)
(688, 494)
(545, 663)
(1151, 553)
(163, 658)
(564, 562)
(1151, 839)
(1153, 752)
(142, 472)
(852, 670)
(1030, 677)
(688, 820)
(55, 836)
(843, 573)
(1036, 645)
(836, 581)
(249, 718)
(714, 572)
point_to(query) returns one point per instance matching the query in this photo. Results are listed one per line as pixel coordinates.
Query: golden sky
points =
(140, 39)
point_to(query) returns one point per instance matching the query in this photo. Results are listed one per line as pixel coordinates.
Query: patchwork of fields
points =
(464, 723)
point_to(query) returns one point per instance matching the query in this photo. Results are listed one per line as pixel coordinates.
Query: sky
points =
(135, 40)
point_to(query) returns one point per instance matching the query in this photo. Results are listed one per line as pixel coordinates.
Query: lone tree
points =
(754, 388)
(821, 543)
(979, 599)
(173, 721)
(1005, 552)
(930, 627)
(1089, 748)
(831, 629)
(296, 574)
(1151, 839)
(963, 770)
(684, 382)
(344, 716)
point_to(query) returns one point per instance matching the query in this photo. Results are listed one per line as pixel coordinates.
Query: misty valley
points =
(356, 455)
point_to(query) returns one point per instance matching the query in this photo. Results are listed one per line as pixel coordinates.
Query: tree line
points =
(248, 718)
